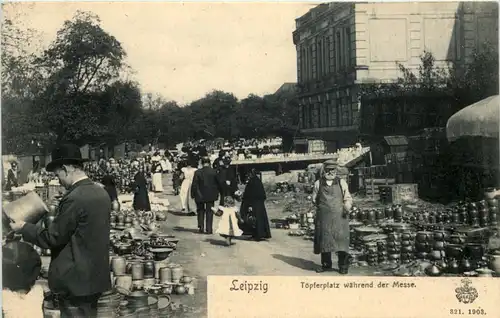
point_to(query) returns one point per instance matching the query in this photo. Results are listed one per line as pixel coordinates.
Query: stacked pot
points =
(493, 211)
(407, 247)
(371, 253)
(394, 247)
(423, 244)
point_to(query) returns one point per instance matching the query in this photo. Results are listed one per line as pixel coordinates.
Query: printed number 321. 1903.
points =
(479, 311)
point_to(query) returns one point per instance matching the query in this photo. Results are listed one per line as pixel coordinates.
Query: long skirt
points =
(157, 182)
(187, 203)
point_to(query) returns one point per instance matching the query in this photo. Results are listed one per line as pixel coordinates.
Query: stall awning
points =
(477, 120)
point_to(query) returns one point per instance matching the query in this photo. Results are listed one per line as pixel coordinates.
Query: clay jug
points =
(120, 218)
(159, 265)
(398, 211)
(388, 212)
(137, 270)
(371, 216)
(149, 269)
(165, 275)
(177, 273)
(495, 262)
(453, 267)
(118, 265)
(466, 265)
(29, 208)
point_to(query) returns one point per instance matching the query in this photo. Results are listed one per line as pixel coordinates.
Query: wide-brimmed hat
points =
(21, 266)
(65, 154)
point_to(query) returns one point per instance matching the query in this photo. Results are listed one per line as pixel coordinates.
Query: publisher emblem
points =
(466, 293)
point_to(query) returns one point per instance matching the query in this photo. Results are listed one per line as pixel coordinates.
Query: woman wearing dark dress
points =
(110, 186)
(253, 209)
(140, 188)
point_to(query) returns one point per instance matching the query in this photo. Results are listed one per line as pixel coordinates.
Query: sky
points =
(184, 50)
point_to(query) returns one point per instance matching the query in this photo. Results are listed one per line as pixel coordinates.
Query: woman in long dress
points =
(140, 188)
(187, 202)
(331, 232)
(253, 209)
(157, 170)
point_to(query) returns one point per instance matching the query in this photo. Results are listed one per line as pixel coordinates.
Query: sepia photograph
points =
(179, 159)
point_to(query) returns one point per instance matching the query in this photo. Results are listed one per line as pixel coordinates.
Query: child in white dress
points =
(228, 224)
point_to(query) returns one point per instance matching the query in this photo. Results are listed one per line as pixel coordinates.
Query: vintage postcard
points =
(250, 159)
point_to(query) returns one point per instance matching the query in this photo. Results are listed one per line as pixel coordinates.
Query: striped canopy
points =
(477, 120)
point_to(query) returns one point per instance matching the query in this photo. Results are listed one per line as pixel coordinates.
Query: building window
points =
(338, 52)
(332, 114)
(324, 114)
(319, 59)
(303, 67)
(326, 55)
(348, 46)
(338, 112)
(310, 73)
(301, 116)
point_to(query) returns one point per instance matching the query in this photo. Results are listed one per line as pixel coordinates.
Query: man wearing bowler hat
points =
(78, 237)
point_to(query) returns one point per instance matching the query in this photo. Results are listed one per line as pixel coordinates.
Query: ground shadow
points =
(183, 229)
(243, 238)
(215, 242)
(178, 213)
(297, 262)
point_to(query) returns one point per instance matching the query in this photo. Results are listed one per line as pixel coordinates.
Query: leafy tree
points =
(82, 61)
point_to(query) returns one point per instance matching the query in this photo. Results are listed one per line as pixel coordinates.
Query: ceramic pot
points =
(436, 255)
(494, 260)
(398, 211)
(120, 218)
(149, 269)
(438, 245)
(137, 270)
(393, 237)
(115, 206)
(389, 213)
(380, 214)
(371, 216)
(433, 270)
(406, 236)
(454, 251)
(490, 193)
(123, 281)
(423, 236)
(454, 267)
(158, 266)
(165, 275)
(138, 284)
(177, 273)
(484, 272)
(406, 243)
(456, 239)
(474, 251)
(118, 265)
(29, 208)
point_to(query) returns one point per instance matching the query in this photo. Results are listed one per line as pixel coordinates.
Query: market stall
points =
(473, 134)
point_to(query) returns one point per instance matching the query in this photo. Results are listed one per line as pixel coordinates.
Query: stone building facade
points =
(342, 45)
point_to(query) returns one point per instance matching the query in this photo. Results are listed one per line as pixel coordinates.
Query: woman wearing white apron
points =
(187, 202)
(156, 173)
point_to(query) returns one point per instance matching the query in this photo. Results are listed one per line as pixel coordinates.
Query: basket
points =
(218, 213)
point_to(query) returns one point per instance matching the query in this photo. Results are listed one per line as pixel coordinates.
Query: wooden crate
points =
(398, 193)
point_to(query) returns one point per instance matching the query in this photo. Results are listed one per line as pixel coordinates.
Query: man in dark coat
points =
(227, 179)
(205, 191)
(78, 237)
